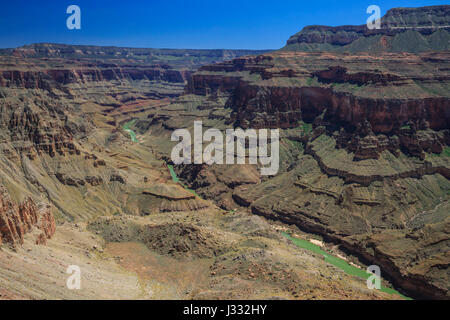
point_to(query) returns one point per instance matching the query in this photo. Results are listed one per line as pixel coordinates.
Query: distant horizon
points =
(130, 47)
(196, 25)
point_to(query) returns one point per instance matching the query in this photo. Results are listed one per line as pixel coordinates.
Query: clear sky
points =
(231, 24)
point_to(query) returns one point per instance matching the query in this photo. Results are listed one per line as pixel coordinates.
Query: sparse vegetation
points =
(306, 128)
(445, 153)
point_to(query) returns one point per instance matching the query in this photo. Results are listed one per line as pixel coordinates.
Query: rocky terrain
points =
(92, 195)
(364, 167)
(177, 255)
(364, 146)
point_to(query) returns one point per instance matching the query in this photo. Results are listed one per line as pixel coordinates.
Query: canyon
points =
(86, 175)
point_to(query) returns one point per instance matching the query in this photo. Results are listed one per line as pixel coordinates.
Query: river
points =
(304, 244)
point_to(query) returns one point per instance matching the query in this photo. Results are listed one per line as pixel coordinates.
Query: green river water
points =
(338, 262)
(177, 180)
(126, 127)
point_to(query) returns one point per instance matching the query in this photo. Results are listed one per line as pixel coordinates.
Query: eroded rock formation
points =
(27, 217)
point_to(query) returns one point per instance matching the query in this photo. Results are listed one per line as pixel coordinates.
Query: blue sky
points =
(243, 24)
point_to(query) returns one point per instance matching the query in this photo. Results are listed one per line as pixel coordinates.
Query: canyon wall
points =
(379, 104)
(47, 79)
(425, 29)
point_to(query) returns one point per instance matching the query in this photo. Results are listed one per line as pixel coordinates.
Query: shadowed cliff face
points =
(285, 106)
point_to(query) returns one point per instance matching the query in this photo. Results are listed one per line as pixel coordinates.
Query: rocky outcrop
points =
(408, 139)
(219, 182)
(76, 182)
(427, 22)
(179, 240)
(205, 84)
(34, 128)
(118, 178)
(339, 74)
(27, 217)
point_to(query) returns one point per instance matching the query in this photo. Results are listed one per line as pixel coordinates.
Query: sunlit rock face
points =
(18, 220)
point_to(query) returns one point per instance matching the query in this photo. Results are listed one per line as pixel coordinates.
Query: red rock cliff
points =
(263, 93)
(17, 220)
